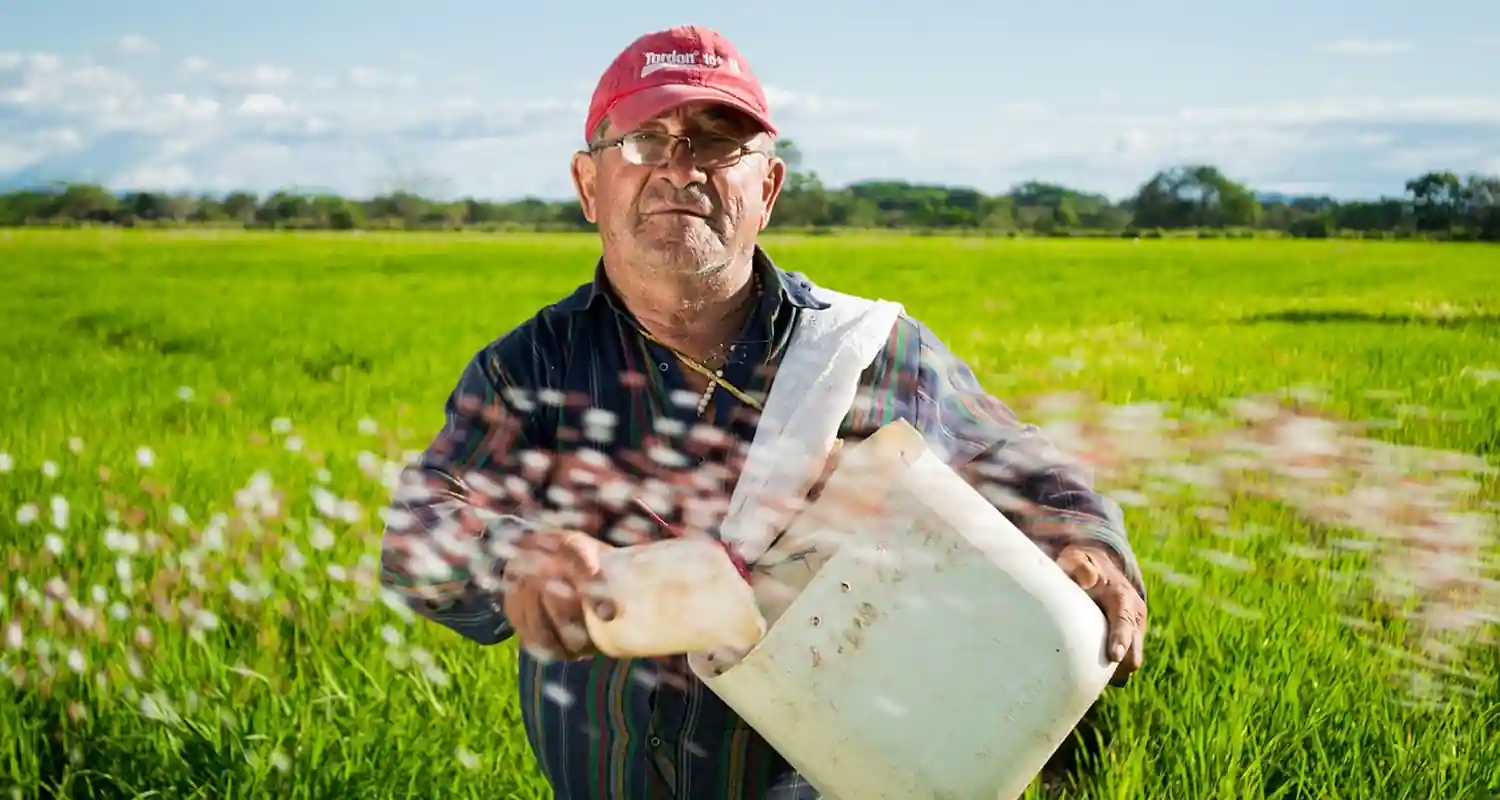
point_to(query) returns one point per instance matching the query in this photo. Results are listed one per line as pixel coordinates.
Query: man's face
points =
(678, 218)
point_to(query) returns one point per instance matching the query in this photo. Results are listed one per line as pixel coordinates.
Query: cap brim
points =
(633, 110)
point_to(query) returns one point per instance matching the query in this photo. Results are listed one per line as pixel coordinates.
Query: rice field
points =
(200, 430)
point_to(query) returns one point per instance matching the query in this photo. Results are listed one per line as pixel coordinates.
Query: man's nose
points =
(680, 169)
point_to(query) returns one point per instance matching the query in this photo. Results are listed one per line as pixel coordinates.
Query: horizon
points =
(310, 191)
(467, 101)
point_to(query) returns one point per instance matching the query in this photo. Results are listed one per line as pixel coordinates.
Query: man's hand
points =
(1098, 572)
(547, 581)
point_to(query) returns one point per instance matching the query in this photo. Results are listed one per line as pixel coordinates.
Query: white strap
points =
(810, 395)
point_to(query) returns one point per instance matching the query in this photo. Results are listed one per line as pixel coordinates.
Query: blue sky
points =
(458, 97)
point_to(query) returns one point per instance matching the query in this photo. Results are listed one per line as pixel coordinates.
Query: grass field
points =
(197, 428)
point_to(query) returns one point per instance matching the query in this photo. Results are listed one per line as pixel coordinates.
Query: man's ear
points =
(585, 174)
(770, 187)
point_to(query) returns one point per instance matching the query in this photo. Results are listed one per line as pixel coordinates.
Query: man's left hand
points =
(1098, 572)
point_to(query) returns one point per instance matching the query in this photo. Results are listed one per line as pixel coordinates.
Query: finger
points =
(577, 554)
(529, 561)
(604, 607)
(1127, 617)
(1132, 662)
(1136, 658)
(526, 577)
(562, 607)
(1119, 639)
(580, 554)
(1079, 565)
(534, 631)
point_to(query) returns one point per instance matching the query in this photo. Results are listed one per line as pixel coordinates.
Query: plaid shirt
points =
(577, 386)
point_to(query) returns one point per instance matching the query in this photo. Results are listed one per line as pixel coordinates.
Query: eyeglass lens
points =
(655, 149)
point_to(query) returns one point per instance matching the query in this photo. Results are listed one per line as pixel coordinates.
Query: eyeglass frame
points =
(738, 155)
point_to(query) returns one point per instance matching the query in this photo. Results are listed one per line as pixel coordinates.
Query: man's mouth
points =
(680, 211)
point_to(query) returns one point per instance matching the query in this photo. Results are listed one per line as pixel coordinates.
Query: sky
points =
(487, 99)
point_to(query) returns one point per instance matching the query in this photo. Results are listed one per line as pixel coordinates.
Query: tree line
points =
(1181, 200)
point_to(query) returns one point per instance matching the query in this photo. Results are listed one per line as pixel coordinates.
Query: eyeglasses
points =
(656, 148)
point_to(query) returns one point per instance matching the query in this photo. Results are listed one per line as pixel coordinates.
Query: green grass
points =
(305, 685)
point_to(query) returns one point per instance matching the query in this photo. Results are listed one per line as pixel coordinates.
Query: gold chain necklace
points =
(715, 376)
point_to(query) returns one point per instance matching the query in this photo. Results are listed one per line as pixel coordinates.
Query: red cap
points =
(667, 68)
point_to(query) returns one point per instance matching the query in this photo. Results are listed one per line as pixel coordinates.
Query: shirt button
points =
(656, 741)
(662, 366)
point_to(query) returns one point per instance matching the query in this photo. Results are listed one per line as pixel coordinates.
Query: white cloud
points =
(189, 109)
(261, 104)
(41, 84)
(792, 105)
(1411, 161)
(135, 44)
(1365, 47)
(1352, 145)
(1485, 110)
(169, 177)
(21, 148)
(373, 78)
(216, 127)
(259, 126)
(263, 76)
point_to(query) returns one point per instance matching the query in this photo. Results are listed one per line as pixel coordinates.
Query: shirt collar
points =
(790, 287)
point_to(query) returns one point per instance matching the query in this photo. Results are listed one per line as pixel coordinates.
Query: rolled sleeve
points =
(457, 511)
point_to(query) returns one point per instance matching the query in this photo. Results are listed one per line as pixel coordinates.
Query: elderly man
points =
(683, 326)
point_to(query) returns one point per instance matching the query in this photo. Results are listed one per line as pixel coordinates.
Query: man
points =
(679, 332)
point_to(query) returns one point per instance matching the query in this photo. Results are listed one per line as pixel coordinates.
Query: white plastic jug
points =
(930, 650)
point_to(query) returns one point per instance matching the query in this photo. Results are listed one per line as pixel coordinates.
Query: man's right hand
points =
(547, 581)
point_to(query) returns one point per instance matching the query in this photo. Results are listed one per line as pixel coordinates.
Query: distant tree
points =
(1183, 198)
(82, 202)
(1482, 206)
(1438, 200)
(1364, 216)
(241, 206)
(787, 151)
(1195, 196)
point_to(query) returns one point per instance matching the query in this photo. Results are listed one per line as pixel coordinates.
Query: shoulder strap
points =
(810, 395)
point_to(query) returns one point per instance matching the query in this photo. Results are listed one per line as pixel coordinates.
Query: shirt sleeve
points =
(1047, 495)
(457, 510)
